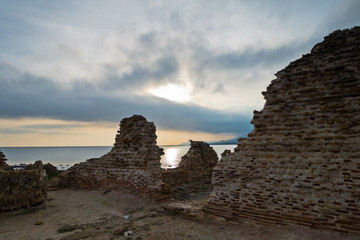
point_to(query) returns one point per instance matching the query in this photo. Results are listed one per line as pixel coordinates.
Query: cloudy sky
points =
(71, 70)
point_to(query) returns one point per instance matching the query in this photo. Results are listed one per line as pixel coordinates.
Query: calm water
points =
(65, 157)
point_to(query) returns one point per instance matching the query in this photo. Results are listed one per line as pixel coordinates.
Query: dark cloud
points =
(194, 118)
(159, 71)
(252, 58)
(147, 38)
(346, 18)
(27, 96)
(215, 71)
(163, 67)
(346, 15)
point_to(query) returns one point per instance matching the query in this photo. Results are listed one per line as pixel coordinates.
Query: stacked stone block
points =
(195, 167)
(301, 163)
(133, 163)
(3, 159)
(21, 189)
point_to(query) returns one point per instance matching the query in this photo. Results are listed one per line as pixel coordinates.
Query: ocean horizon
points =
(63, 157)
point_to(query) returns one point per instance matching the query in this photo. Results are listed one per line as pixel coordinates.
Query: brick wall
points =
(301, 163)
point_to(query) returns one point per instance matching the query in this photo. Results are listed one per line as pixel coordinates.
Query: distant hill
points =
(224, 142)
(221, 142)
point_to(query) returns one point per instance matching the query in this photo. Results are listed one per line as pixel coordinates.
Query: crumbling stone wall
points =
(3, 159)
(21, 189)
(133, 163)
(301, 163)
(195, 167)
(37, 165)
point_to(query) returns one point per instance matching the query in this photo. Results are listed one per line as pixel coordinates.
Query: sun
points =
(172, 92)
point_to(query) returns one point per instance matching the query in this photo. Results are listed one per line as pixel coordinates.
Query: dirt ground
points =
(81, 214)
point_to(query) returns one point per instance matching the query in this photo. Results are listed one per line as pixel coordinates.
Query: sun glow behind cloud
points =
(103, 61)
(172, 92)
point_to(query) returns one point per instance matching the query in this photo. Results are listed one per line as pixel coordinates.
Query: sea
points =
(65, 157)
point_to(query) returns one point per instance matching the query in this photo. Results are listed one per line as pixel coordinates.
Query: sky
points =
(71, 70)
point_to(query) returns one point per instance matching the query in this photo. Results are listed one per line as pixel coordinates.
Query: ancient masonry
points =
(3, 159)
(301, 163)
(21, 189)
(195, 167)
(133, 163)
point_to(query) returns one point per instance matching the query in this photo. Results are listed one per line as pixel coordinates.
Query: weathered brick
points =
(304, 148)
(133, 163)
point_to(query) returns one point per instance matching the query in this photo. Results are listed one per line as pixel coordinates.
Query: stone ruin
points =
(21, 188)
(133, 163)
(3, 165)
(199, 162)
(301, 163)
(195, 168)
(51, 170)
(37, 165)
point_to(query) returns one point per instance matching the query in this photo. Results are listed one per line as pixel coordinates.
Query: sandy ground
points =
(82, 214)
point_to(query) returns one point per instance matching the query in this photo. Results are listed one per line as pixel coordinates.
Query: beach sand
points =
(81, 214)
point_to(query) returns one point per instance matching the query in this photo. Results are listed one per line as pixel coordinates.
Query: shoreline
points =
(60, 158)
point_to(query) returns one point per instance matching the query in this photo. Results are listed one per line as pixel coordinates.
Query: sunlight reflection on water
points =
(173, 154)
(171, 158)
(65, 157)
